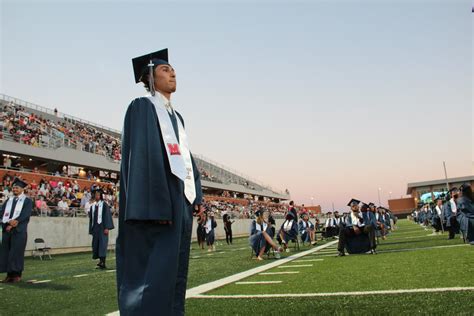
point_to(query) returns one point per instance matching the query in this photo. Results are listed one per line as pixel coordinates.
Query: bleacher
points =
(96, 146)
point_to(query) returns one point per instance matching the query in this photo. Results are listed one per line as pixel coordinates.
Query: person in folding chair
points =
(330, 226)
(15, 215)
(306, 229)
(261, 237)
(356, 231)
(288, 231)
(100, 223)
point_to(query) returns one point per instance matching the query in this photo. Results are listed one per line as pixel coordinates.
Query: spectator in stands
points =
(63, 206)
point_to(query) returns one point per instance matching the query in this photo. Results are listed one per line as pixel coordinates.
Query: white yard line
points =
(242, 275)
(295, 266)
(110, 271)
(421, 248)
(79, 275)
(280, 272)
(383, 292)
(257, 282)
(308, 260)
(43, 281)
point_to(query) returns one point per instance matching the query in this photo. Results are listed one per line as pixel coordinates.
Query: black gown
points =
(100, 241)
(152, 259)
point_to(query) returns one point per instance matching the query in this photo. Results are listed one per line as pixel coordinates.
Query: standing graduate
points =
(100, 223)
(15, 215)
(210, 224)
(160, 188)
(465, 215)
(450, 211)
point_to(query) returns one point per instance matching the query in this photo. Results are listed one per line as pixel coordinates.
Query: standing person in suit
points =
(100, 223)
(15, 215)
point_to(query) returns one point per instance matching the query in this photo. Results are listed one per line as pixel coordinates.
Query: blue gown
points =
(12, 249)
(100, 241)
(152, 258)
(465, 217)
(256, 239)
(302, 229)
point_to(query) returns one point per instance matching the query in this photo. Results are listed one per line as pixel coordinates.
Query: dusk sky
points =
(330, 99)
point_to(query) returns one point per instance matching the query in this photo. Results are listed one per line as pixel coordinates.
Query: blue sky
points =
(330, 99)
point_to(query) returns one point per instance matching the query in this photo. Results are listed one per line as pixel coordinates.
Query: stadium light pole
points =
(390, 194)
(380, 189)
(312, 201)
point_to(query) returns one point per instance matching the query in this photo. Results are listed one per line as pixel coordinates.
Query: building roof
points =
(413, 185)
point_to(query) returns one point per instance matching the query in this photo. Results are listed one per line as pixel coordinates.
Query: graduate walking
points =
(15, 215)
(100, 223)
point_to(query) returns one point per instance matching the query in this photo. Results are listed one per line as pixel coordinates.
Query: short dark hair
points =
(292, 203)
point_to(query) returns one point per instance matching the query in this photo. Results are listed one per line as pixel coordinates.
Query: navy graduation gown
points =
(100, 241)
(12, 249)
(152, 259)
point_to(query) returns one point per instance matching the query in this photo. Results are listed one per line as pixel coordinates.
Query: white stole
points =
(259, 227)
(287, 225)
(17, 211)
(99, 212)
(356, 220)
(454, 209)
(208, 226)
(178, 154)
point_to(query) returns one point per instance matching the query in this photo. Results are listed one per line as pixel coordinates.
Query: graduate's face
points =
(17, 190)
(355, 208)
(165, 79)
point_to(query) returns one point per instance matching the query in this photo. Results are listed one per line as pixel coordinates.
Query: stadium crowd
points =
(22, 126)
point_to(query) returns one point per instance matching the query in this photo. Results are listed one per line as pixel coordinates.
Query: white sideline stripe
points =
(276, 273)
(79, 275)
(320, 256)
(43, 281)
(296, 266)
(110, 271)
(258, 282)
(308, 260)
(242, 275)
(221, 252)
(404, 291)
(195, 257)
(422, 248)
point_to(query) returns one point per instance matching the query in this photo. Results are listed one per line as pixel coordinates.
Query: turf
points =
(415, 264)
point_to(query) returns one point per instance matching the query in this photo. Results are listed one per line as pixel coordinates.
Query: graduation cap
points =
(258, 213)
(364, 207)
(17, 182)
(330, 212)
(353, 202)
(453, 189)
(147, 63)
(371, 204)
(303, 214)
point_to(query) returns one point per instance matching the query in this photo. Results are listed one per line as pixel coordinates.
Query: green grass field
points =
(410, 258)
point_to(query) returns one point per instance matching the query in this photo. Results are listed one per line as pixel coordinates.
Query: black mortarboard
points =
(353, 202)
(330, 212)
(258, 213)
(19, 183)
(365, 207)
(303, 214)
(371, 204)
(454, 189)
(141, 64)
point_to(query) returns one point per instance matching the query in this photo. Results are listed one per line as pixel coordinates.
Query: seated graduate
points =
(306, 229)
(338, 222)
(465, 213)
(354, 226)
(261, 236)
(288, 230)
(209, 225)
(330, 226)
(450, 212)
(380, 220)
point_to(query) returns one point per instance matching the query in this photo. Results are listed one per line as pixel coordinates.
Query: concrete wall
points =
(67, 235)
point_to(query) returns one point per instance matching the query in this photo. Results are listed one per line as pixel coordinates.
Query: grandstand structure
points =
(44, 142)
